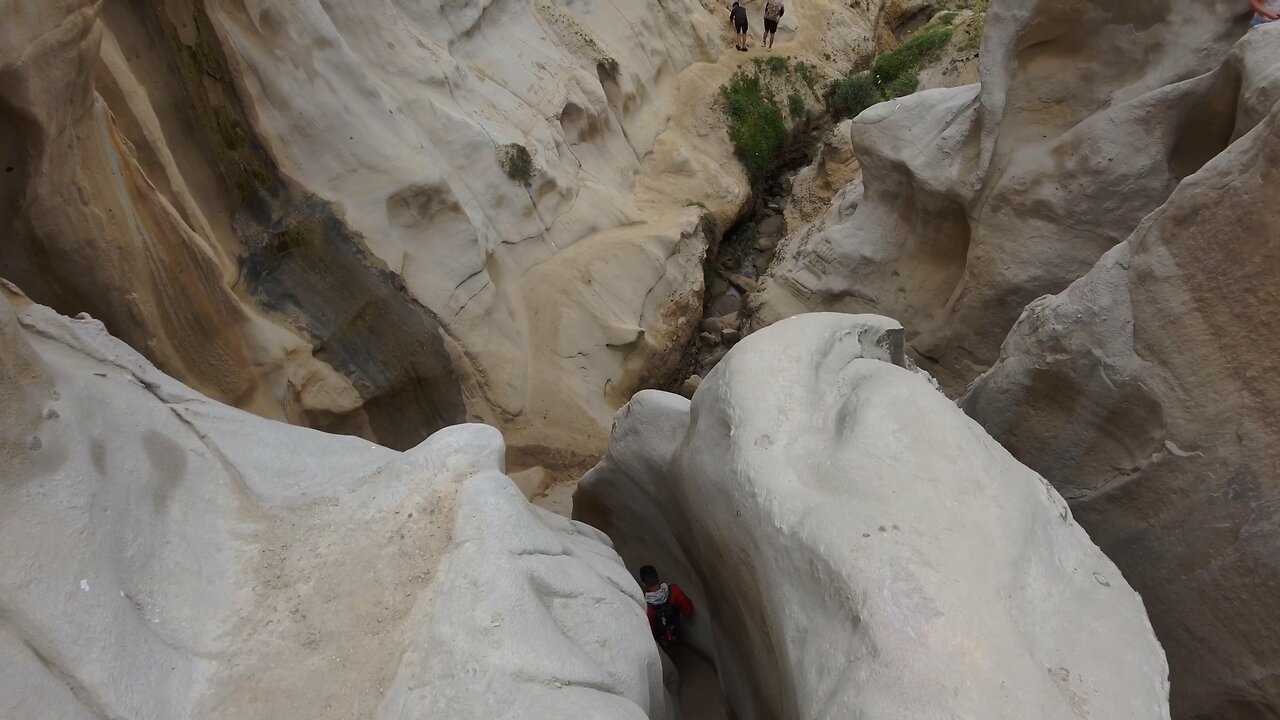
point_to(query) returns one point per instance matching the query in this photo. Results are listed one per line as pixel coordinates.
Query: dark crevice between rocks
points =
(697, 685)
(736, 261)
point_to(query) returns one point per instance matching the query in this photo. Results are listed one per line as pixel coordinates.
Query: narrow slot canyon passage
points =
(699, 693)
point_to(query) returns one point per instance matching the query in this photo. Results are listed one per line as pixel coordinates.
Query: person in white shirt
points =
(773, 12)
(1264, 11)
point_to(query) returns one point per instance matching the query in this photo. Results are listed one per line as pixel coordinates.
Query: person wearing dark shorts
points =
(773, 12)
(738, 14)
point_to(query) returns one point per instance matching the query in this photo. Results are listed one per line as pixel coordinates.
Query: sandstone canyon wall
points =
(320, 212)
(859, 548)
(169, 557)
(1147, 393)
(302, 208)
(979, 199)
(310, 210)
(1141, 142)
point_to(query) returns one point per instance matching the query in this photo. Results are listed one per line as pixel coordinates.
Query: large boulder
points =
(1147, 393)
(981, 198)
(167, 557)
(860, 548)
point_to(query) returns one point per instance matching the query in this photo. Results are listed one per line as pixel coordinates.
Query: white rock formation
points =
(860, 548)
(301, 208)
(167, 557)
(980, 199)
(1147, 393)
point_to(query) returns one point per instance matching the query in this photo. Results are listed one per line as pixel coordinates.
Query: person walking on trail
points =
(666, 605)
(1264, 11)
(738, 14)
(773, 12)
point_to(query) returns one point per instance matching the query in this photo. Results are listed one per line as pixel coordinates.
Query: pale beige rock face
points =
(301, 208)
(980, 199)
(857, 547)
(170, 558)
(1146, 392)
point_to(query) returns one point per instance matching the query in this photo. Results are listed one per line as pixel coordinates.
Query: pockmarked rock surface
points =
(380, 218)
(859, 547)
(167, 557)
(1146, 392)
(303, 209)
(979, 199)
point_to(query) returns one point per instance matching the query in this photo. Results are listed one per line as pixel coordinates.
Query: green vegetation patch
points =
(808, 74)
(851, 95)
(768, 104)
(516, 162)
(893, 74)
(777, 64)
(897, 71)
(977, 26)
(796, 106)
(756, 125)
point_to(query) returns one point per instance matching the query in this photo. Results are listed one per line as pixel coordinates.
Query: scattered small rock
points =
(718, 324)
(743, 283)
(715, 356)
(690, 385)
(731, 335)
(717, 286)
(771, 227)
(709, 338)
(766, 244)
(726, 303)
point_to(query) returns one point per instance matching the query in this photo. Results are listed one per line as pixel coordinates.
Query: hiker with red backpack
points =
(666, 605)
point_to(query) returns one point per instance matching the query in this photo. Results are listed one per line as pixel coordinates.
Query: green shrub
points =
(756, 127)
(946, 18)
(851, 95)
(795, 104)
(904, 84)
(920, 49)
(808, 73)
(516, 162)
(776, 64)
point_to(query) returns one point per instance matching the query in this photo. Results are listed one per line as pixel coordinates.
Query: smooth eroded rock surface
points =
(382, 218)
(167, 557)
(1147, 393)
(861, 548)
(979, 199)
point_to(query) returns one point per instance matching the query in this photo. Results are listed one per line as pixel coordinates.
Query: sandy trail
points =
(700, 695)
(588, 306)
